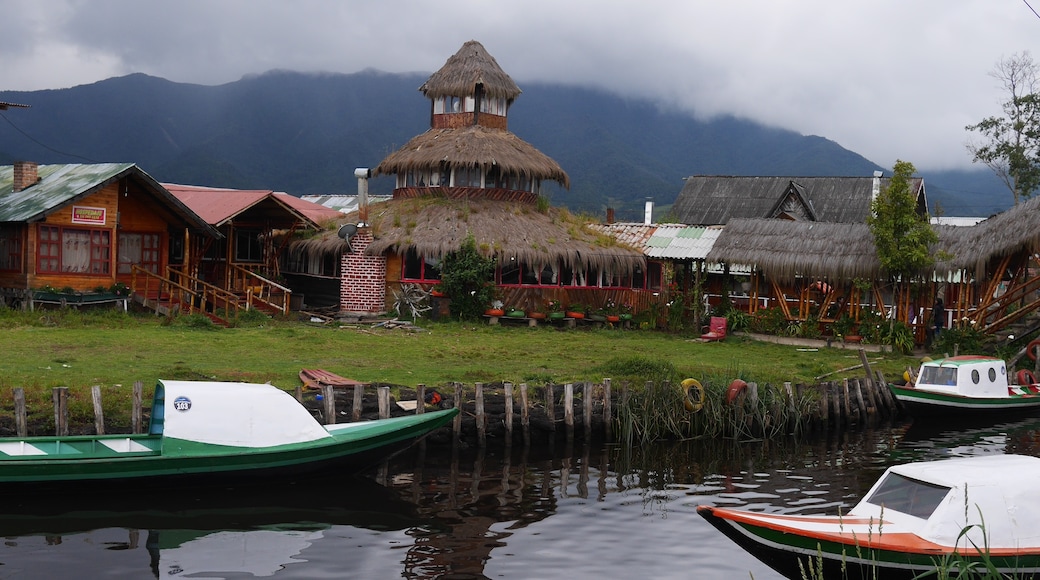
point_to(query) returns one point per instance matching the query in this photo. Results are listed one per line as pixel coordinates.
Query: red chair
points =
(716, 329)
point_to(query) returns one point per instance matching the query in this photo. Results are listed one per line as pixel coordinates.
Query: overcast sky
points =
(888, 79)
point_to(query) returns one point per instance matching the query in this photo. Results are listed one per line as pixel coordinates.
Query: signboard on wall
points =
(94, 216)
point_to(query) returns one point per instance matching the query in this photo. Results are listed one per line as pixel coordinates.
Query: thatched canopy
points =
(472, 146)
(470, 66)
(785, 250)
(972, 247)
(506, 230)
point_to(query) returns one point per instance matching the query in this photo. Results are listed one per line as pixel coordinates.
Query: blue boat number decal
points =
(182, 403)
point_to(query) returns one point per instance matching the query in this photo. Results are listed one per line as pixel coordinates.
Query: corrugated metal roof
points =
(58, 185)
(315, 211)
(217, 205)
(665, 241)
(343, 203)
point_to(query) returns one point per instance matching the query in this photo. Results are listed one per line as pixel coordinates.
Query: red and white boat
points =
(950, 514)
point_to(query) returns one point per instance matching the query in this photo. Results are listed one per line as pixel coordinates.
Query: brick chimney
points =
(610, 215)
(25, 174)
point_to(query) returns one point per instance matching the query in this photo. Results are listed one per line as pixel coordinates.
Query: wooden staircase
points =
(179, 293)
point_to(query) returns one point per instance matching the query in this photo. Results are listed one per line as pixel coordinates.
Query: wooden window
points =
(248, 247)
(417, 268)
(73, 251)
(138, 248)
(11, 248)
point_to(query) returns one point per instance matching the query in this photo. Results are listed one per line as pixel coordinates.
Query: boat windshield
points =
(908, 496)
(938, 376)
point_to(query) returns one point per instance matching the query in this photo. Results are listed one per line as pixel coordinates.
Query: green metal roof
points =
(60, 185)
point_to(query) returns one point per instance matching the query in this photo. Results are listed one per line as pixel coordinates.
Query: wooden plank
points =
(99, 412)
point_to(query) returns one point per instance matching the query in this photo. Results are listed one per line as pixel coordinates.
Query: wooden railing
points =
(182, 291)
(260, 290)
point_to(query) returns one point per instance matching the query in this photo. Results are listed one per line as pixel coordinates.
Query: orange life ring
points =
(1025, 377)
(1031, 349)
(735, 389)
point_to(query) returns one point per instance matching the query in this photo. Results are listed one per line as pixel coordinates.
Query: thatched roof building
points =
(715, 200)
(504, 230)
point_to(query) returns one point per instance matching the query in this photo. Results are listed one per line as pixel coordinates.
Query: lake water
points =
(571, 512)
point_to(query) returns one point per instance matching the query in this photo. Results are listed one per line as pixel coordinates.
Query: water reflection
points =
(481, 513)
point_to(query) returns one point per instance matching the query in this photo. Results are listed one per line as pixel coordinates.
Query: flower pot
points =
(613, 318)
(578, 315)
(537, 315)
(625, 316)
(494, 312)
(516, 313)
(597, 318)
(854, 338)
(557, 315)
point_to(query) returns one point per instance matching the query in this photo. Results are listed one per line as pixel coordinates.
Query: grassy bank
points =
(75, 349)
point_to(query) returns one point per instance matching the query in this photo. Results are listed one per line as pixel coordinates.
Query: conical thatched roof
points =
(434, 227)
(472, 146)
(470, 66)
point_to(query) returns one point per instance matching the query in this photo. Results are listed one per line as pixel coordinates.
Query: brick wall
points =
(362, 287)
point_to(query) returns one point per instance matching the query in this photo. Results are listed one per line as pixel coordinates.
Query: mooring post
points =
(457, 425)
(550, 406)
(383, 399)
(847, 402)
(525, 415)
(61, 411)
(568, 408)
(20, 424)
(359, 392)
(329, 398)
(480, 418)
(136, 416)
(588, 409)
(99, 412)
(420, 399)
(607, 417)
(860, 407)
(508, 388)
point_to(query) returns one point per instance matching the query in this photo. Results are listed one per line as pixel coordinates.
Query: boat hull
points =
(800, 547)
(923, 402)
(350, 449)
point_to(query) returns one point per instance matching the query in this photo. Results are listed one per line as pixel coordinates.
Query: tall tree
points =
(1011, 143)
(901, 235)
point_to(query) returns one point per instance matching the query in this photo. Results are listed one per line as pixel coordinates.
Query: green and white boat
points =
(967, 384)
(215, 431)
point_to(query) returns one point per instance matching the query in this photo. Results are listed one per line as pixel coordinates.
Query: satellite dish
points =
(347, 231)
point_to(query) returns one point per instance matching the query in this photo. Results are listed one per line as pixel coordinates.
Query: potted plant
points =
(844, 329)
(612, 312)
(626, 312)
(496, 309)
(514, 312)
(555, 310)
(575, 310)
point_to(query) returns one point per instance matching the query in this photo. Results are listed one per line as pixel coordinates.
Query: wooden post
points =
(608, 418)
(508, 387)
(568, 409)
(99, 411)
(550, 406)
(329, 399)
(420, 399)
(61, 411)
(859, 401)
(19, 412)
(383, 399)
(457, 424)
(835, 405)
(823, 409)
(525, 415)
(481, 419)
(298, 393)
(136, 422)
(845, 393)
(355, 413)
(587, 394)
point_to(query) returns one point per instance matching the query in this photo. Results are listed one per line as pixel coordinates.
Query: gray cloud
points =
(889, 79)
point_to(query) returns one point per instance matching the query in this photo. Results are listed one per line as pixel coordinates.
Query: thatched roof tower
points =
(468, 151)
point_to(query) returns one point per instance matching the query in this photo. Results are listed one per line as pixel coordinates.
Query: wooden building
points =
(84, 228)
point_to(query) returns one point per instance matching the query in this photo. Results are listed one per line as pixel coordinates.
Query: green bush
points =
(467, 277)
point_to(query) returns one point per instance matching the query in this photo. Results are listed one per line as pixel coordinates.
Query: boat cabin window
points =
(908, 496)
(992, 374)
(975, 376)
(939, 376)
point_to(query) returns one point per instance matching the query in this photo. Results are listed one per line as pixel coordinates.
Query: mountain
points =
(306, 133)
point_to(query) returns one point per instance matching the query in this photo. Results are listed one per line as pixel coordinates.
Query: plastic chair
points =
(716, 329)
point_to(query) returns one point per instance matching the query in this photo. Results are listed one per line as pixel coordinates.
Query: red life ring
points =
(1031, 349)
(735, 389)
(1025, 377)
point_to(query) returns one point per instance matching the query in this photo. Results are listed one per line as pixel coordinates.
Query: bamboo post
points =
(383, 399)
(420, 399)
(525, 415)
(550, 406)
(355, 413)
(480, 418)
(508, 388)
(457, 424)
(61, 411)
(608, 418)
(329, 399)
(587, 394)
(136, 422)
(19, 412)
(99, 411)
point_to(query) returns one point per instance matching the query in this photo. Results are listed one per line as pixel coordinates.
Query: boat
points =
(213, 431)
(969, 511)
(970, 383)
